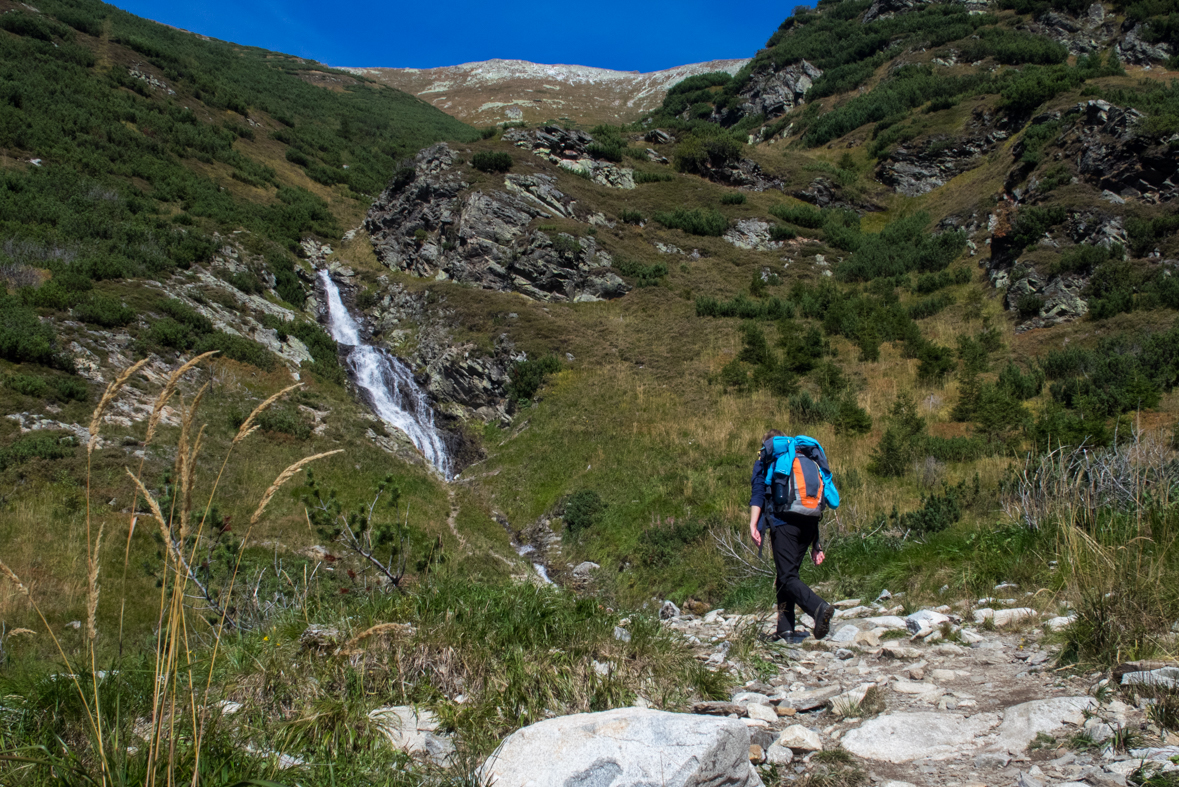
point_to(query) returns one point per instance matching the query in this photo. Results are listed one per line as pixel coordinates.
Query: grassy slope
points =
(245, 110)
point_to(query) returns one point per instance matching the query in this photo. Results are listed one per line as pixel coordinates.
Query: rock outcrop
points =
(1134, 50)
(1083, 35)
(772, 92)
(570, 148)
(426, 223)
(1114, 155)
(627, 747)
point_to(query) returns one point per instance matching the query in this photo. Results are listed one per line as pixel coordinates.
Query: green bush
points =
(733, 198)
(324, 351)
(801, 215)
(528, 376)
(903, 439)
(236, 348)
(284, 420)
(631, 217)
(902, 247)
(581, 511)
(492, 161)
(67, 389)
(742, 306)
(1014, 47)
(644, 275)
(932, 282)
(1029, 306)
(105, 311)
(805, 410)
(781, 232)
(850, 418)
(25, 339)
(934, 363)
(1021, 385)
(653, 177)
(698, 155)
(665, 544)
(927, 307)
(35, 446)
(697, 221)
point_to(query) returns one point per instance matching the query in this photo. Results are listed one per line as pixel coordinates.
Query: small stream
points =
(387, 384)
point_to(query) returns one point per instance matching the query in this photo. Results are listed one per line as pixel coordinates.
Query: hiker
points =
(791, 486)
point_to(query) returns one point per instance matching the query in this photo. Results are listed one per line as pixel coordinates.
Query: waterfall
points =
(387, 383)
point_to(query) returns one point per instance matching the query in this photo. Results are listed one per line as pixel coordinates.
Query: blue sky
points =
(627, 36)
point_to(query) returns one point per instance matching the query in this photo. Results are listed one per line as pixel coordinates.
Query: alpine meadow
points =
(346, 443)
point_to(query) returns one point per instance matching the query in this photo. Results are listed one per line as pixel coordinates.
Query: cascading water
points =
(387, 383)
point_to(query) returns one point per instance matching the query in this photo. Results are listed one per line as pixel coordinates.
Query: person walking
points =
(790, 535)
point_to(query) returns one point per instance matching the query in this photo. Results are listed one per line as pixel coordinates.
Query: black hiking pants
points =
(790, 540)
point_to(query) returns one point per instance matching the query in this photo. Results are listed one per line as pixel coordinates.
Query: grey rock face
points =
(1113, 155)
(426, 224)
(1060, 298)
(774, 92)
(886, 9)
(1082, 35)
(570, 149)
(627, 747)
(752, 234)
(1135, 51)
(914, 172)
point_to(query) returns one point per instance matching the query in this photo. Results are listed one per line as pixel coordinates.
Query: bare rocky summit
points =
(498, 91)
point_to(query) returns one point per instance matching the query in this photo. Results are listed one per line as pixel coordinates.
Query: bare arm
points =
(754, 517)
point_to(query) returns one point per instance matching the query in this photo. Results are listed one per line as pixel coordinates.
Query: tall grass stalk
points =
(1116, 522)
(173, 666)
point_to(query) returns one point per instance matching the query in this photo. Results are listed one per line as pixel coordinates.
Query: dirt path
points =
(956, 704)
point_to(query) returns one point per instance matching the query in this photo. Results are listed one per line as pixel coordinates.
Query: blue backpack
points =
(798, 476)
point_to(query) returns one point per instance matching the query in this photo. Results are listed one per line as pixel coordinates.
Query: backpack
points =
(798, 476)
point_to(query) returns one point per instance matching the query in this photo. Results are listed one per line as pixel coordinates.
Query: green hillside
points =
(941, 238)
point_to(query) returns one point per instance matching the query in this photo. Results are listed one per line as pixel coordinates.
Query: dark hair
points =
(772, 433)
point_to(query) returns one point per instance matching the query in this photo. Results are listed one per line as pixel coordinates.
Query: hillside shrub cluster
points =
(644, 275)
(695, 221)
(799, 358)
(527, 376)
(35, 446)
(492, 161)
(119, 195)
(25, 339)
(184, 329)
(52, 388)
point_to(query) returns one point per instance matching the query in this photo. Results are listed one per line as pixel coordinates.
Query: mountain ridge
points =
(503, 90)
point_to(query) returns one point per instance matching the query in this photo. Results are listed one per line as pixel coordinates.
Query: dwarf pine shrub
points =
(492, 161)
(697, 221)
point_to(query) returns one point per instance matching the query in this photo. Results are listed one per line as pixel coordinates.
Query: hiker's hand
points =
(818, 557)
(754, 534)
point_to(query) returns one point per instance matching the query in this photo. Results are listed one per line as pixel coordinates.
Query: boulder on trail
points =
(626, 747)
(902, 737)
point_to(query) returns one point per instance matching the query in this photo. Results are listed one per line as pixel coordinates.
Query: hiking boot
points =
(785, 637)
(823, 620)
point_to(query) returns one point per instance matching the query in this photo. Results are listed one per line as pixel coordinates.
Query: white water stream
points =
(387, 383)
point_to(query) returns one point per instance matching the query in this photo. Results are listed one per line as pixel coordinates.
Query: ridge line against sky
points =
(622, 36)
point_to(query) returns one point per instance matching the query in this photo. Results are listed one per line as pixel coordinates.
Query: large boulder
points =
(627, 747)
(902, 737)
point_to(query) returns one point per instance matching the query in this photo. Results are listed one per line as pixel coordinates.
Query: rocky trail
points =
(938, 697)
